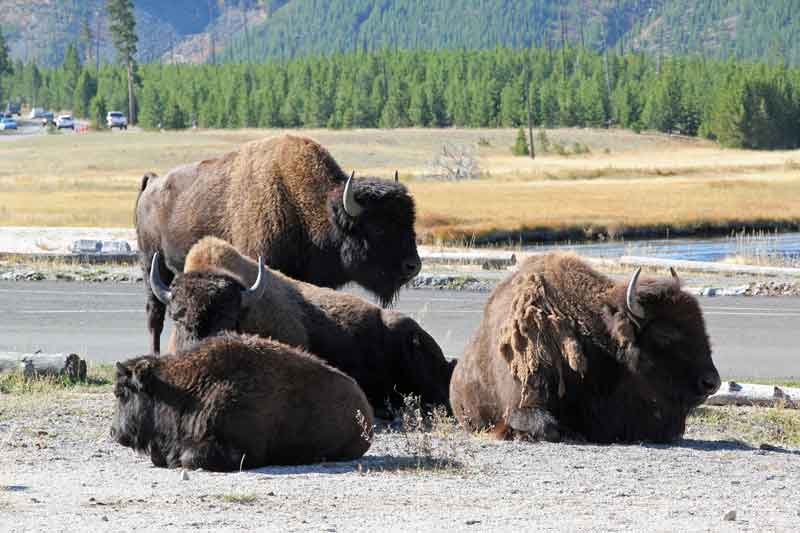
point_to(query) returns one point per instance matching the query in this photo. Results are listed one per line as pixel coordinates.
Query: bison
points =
(565, 352)
(386, 352)
(234, 402)
(286, 199)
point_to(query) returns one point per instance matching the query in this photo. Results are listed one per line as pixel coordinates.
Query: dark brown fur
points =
(280, 198)
(558, 355)
(387, 353)
(239, 402)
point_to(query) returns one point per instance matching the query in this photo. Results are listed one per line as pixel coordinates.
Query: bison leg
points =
(212, 455)
(535, 424)
(155, 309)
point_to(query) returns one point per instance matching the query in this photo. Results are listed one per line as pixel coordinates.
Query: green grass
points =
(99, 378)
(239, 499)
(765, 381)
(753, 425)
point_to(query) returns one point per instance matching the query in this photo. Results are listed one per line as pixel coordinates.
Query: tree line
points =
(739, 103)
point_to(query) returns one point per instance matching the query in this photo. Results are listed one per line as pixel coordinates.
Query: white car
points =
(65, 121)
(115, 119)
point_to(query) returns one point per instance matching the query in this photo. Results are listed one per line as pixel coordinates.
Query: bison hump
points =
(537, 340)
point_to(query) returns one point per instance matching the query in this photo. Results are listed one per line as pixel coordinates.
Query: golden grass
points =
(457, 211)
(627, 180)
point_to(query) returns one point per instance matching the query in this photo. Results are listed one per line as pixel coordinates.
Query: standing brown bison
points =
(563, 351)
(236, 402)
(387, 353)
(287, 200)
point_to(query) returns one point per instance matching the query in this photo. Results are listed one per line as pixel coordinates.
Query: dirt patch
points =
(60, 471)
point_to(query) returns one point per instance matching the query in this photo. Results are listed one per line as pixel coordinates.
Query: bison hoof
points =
(535, 424)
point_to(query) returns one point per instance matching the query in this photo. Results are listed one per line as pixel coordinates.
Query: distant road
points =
(752, 337)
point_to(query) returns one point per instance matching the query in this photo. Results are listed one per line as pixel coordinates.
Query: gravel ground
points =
(60, 472)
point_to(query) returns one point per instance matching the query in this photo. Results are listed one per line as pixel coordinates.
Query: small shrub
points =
(544, 141)
(520, 147)
(559, 148)
(432, 439)
(579, 149)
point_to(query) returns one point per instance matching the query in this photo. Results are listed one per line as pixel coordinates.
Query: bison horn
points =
(674, 275)
(351, 206)
(160, 290)
(634, 307)
(254, 293)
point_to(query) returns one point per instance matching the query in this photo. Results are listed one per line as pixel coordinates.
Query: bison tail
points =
(142, 186)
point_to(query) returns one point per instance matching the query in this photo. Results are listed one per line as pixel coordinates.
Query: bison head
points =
(203, 304)
(419, 365)
(374, 220)
(663, 341)
(133, 422)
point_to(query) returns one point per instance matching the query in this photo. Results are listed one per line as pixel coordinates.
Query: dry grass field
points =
(627, 180)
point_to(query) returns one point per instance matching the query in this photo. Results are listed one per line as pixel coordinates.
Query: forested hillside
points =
(740, 104)
(235, 30)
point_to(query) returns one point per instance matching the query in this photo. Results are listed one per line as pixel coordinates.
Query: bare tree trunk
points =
(530, 122)
(99, 16)
(246, 32)
(212, 55)
(131, 103)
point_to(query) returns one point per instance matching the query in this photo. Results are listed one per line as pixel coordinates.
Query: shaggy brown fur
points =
(557, 354)
(280, 198)
(386, 352)
(239, 402)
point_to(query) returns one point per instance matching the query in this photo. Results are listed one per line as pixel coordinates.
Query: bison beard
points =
(285, 199)
(564, 352)
(239, 402)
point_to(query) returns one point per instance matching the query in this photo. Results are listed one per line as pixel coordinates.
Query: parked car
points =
(115, 119)
(65, 121)
(35, 113)
(47, 118)
(8, 123)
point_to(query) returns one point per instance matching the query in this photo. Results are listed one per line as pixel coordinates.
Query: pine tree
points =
(5, 61)
(84, 92)
(151, 109)
(418, 111)
(123, 33)
(98, 110)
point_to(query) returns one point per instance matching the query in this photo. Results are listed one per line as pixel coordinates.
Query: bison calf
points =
(563, 351)
(239, 402)
(387, 353)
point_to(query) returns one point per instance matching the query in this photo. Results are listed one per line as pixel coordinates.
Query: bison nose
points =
(709, 383)
(411, 267)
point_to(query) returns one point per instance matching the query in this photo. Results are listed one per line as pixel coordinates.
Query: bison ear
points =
(142, 377)
(623, 330)
(122, 370)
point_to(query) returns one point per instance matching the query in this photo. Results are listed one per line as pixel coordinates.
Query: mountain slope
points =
(206, 30)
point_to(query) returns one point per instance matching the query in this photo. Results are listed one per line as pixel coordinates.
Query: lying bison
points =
(286, 199)
(387, 353)
(564, 352)
(239, 402)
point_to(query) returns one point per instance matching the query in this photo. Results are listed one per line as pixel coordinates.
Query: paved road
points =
(752, 337)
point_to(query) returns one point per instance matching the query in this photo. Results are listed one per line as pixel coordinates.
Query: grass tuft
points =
(775, 426)
(99, 378)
